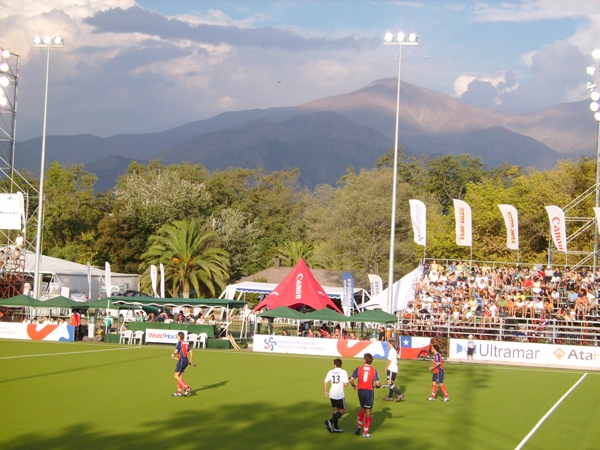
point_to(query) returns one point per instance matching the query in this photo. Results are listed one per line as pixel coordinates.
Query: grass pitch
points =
(99, 396)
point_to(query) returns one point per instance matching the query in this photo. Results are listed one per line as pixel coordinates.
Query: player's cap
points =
(470, 336)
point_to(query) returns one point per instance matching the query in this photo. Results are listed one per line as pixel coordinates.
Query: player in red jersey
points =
(183, 355)
(438, 374)
(367, 377)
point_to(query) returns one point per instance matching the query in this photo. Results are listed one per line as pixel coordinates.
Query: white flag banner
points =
(154, 278)
(418, 217)
(107, 282)
(511, 220)
(376, 284)
(12, 211)
(558, 227)
(162, 280)
(464, 227)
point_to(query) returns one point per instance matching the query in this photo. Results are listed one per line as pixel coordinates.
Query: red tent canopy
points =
(299, 288)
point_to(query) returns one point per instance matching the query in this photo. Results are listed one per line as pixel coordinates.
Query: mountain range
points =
(324, 137)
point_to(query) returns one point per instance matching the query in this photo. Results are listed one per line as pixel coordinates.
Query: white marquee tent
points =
(403, 292)
(75, 276)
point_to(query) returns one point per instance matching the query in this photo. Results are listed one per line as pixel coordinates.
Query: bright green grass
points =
(98, 396)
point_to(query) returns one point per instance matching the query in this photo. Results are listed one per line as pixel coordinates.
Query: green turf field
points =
(101, 396)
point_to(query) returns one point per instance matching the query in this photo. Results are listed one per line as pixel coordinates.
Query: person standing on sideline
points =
(367, 376)
(183, 355)
(391, 369)
(470, 348)
(339, 380)
(438, 374)
(76, 321)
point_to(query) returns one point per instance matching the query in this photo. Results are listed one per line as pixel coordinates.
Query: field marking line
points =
(64, 353)
(541, 421)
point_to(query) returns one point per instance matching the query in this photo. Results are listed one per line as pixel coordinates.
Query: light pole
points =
(595, 107)
(48, 43)
(398, 40)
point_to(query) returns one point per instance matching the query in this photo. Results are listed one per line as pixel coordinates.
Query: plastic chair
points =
(137, 336)
(192, 339)
(124, 336)
(202, 339)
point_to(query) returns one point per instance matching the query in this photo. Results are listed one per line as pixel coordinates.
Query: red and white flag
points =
(511, 220)
(418, 217)
(464, 227)
(412, 347)
(558, 227)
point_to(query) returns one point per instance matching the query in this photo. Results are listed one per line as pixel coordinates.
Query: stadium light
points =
(595, 107)
(48, 43)
(399, 40)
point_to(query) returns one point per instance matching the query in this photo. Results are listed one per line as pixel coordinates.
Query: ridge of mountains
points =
(324, 137)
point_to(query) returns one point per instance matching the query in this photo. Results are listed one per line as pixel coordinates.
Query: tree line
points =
(232, 223)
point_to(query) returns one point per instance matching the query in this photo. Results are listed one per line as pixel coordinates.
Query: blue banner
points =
(348, 295)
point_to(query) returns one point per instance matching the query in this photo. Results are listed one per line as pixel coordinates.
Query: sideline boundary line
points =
(541, 421)
(64, 353)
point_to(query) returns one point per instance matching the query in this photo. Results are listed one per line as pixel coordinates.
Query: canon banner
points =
(418, 217)
(464, 230)
(12, 210)
(511, 220)
(558, 227)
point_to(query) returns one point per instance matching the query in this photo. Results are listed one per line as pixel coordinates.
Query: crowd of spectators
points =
(484, 296)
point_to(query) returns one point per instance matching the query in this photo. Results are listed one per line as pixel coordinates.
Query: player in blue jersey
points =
(339, 379)
(367, 377)
(438, 374)
(183, 355)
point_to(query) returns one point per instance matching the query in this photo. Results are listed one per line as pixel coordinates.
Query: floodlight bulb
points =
(5, 53)
(3, 101)
(590, 70)
(596, 53)
(37, 40)
(4, 81)
(400, 37)
(597, 116)
(595, 96)
(412, 37)
(4, 67)
(47, 40)
(57, 40)
(389, 37)
(591, 86)
(594, 106)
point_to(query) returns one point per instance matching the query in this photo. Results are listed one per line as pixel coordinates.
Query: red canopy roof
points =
(299, 288)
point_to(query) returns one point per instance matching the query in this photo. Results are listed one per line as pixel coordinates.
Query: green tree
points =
(190, 256)
(292, 252)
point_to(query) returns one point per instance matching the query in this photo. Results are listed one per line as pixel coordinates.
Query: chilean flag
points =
(412, 347)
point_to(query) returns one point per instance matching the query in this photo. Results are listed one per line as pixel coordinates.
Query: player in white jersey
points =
(339, 380)
(392, 370)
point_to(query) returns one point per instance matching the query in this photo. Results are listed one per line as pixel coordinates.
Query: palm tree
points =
(191, 257)
(292, 252)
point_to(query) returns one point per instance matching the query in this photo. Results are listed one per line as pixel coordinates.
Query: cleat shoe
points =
(328, 425)
(446, 399)
(176, 394)
(187, 391)
(338, 430)
(357, 431)
(400, 398)
(431, 399)
(366, 435)
(388, 399)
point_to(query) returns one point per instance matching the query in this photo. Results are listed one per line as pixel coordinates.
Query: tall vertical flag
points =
(558, 227)
(464, 226)
(162, 280)
(511, 220)
(376, 284)
(107, 281)
(418, 217)
(89, 280)
(348, 293)
(154, 278)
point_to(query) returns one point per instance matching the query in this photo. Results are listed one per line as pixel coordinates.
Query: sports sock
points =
(443, 388)
(433, 391)
(396, 390)
(361, 416)
(367, 425)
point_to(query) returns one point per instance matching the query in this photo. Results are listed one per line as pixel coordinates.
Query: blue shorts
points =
(365, 398)
(438, 377)
(182, 363)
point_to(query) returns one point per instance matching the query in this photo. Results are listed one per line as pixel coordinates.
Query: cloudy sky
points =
(148, 65)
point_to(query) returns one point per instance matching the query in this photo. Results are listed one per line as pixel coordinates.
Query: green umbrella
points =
(63, 303)
(21, 301)
(328, 315)
(283, 312)
(377, 316)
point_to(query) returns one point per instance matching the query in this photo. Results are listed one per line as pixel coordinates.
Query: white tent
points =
(237, 291)
(75, 276)
(403, 292)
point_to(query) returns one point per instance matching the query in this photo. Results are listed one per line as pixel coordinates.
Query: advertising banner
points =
(348, 292)
(164, 336)
(464, 226)
(529, 354)
(511, 220)
(558, 227)
(37, 332)
(154, 278)
(418, 217)
(12, 211)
